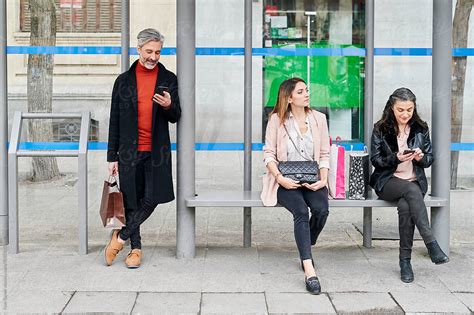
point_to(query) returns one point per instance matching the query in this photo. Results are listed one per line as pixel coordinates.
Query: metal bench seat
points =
(236, 198)
(249, 199)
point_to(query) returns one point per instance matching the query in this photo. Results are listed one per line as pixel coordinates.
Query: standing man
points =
(144, 100)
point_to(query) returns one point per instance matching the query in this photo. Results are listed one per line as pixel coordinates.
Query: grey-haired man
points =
(144, 102)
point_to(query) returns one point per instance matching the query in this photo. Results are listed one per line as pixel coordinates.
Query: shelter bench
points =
(250, 199)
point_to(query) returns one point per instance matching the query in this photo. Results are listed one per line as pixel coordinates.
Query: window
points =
(80, 16)
(336, 83)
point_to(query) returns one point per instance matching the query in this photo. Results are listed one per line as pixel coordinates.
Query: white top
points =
(304, 150)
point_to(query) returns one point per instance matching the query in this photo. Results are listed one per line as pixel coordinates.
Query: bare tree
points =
(40, 84)
(460, 33)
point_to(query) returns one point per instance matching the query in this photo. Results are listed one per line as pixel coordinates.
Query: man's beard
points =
(148, 65)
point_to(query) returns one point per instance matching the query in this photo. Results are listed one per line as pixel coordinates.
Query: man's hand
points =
(113, 168)
(164, 101)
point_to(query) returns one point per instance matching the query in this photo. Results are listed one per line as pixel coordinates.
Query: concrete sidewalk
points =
(48, 276)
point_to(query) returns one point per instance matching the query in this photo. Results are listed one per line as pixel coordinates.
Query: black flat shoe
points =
(302, 265)
(406, 272)
(312, 285)
(436, 253)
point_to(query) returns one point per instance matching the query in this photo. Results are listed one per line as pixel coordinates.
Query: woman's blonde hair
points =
(282, 106)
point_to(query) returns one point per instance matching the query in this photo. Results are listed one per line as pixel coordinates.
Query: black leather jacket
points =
(383, 154)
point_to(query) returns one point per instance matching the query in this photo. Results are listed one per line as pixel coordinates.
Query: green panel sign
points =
(336, 82)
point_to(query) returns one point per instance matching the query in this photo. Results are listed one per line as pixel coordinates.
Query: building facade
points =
(84, 81)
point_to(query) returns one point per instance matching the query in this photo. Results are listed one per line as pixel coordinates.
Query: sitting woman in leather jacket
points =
(400, 151)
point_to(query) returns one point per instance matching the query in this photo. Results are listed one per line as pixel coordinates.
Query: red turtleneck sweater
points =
(146, 80)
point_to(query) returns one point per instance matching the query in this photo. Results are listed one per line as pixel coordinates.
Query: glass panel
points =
(336, 82)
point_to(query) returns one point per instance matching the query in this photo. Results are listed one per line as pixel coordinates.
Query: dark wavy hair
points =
(388, 123)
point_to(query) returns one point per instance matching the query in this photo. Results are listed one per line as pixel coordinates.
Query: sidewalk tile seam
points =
(266, 302)
(396, 302)
(200, 304)
(462, 302)
(468, 292)
(358, 245)
(331, 301)
(134, 302)
(67, 303)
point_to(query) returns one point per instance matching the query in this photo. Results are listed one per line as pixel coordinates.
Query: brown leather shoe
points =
(134, 258)
(113, 248)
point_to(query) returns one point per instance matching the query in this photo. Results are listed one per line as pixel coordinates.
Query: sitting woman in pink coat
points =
(297, 133)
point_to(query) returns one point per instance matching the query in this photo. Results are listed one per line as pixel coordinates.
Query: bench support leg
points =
(367, 228)
(247, 227)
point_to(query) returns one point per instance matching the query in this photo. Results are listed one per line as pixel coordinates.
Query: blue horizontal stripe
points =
(402, 51)
(462, 146)
(202, 146)
(463, 52)
(234, 51)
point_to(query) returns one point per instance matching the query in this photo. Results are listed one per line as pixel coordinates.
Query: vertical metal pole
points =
(368, 104)
(13, 233)
(309, 14)
(248, 118)
(441, 91)
(308, 45)
(125, 33)
(186, 66)
(82, 184)
(3, 126)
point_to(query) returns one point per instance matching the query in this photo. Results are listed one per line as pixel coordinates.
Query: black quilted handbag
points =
(301, 171)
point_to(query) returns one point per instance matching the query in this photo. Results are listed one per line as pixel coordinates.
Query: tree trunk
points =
(460, 32)
(40, 84)
(322, 20)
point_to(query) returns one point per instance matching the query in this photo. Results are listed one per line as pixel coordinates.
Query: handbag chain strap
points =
(289, 136)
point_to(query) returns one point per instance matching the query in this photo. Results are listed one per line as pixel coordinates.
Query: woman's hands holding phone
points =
(410, 154)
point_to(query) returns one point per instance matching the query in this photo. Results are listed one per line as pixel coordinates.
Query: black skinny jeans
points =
(297, 202)
(144, 186)
(411, 212)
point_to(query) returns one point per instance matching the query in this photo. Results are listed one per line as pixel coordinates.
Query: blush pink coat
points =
(276, 147)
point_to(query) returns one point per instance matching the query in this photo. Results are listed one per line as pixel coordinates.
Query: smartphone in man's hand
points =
(161, 90)
(409, 151)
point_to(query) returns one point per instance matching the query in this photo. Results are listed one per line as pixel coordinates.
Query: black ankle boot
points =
(406, 272)
(436, 253)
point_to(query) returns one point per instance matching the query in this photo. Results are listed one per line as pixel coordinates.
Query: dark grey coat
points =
(123, 135)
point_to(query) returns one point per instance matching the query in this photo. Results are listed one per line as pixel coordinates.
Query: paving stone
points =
(237, 303)
(35, 301)
(232, 282)
(467, 299)
(299, 303)
(293, 283)
(430, 302)
(167, 303)
(164, 281)
(364, 303)
(101, 302)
